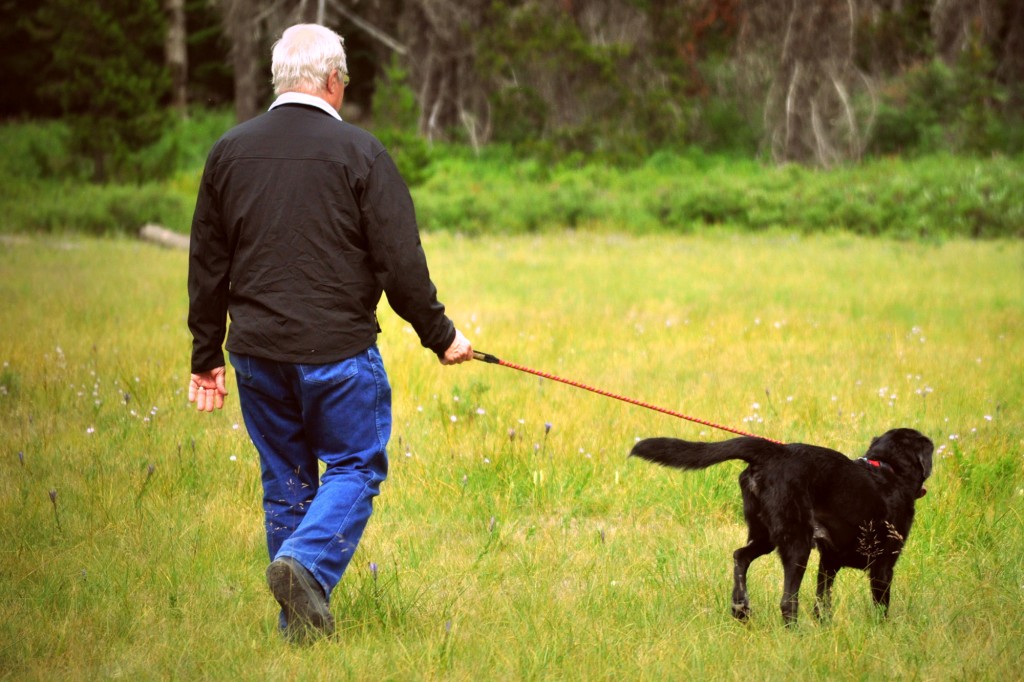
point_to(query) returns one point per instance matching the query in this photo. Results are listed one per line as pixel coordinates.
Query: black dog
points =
(857, 512)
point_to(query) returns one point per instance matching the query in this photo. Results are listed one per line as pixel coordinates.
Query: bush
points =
(45, 188)
(495, 191)
(395, 114)
(931, 197)
(410, 153)
(93, 209)
(936, 108)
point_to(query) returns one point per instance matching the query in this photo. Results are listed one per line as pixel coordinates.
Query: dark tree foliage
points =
(209, 74)
(107, 74)
(23, 62)
(894, 37)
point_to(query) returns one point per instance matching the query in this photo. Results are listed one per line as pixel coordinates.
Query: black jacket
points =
(302, 221)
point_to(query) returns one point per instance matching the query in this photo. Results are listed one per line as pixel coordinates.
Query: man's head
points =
(309, 58)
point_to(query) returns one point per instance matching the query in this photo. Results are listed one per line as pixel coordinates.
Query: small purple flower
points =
(547, 430)
(56, 514)
(373, 570)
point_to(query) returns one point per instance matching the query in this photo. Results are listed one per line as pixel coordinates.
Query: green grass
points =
(504, 550)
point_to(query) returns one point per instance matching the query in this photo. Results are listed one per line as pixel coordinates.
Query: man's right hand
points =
(207, 390)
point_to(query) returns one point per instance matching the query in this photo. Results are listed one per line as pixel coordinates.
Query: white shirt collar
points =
(303, 98)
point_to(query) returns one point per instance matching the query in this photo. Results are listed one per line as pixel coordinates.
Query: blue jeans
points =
(299, 415)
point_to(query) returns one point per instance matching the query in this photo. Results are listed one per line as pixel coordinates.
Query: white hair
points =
(304, 56)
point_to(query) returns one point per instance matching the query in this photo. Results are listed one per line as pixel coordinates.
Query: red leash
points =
(487, 357)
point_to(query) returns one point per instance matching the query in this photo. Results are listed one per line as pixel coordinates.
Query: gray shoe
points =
(301, 598)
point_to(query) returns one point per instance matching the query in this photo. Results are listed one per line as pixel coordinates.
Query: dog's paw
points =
(741, 611)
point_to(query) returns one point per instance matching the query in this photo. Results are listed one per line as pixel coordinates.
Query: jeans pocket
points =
(242, 365)
(330, 374)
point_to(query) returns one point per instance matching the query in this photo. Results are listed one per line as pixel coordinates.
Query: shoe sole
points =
(304, 607)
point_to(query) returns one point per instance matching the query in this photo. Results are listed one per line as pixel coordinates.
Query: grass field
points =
(514, 540)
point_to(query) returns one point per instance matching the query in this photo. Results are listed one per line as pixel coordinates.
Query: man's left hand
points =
(461, 350)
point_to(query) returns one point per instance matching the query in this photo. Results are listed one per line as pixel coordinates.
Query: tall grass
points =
(514, 539)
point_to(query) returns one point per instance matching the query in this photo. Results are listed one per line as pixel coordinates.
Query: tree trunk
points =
(809, 112)
(242, 29)
(1011, 62)
(311, 12)
(176, 54)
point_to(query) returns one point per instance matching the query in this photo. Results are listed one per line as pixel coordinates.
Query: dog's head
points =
(907, 451)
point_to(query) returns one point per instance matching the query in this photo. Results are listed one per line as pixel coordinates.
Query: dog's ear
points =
(924, 455)
(922, 447)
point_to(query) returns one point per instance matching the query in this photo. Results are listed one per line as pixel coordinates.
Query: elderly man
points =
(301, 222)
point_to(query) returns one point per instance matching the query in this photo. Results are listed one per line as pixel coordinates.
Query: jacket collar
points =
(303, 98)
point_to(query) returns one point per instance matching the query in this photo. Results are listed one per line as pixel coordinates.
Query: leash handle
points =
(486, 357)
(494, 360)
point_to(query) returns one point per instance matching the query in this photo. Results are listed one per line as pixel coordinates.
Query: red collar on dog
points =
(882, 465)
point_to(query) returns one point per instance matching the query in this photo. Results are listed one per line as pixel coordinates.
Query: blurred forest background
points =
(818, 83)
(732, 109)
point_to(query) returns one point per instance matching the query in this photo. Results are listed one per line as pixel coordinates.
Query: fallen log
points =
(158, 234)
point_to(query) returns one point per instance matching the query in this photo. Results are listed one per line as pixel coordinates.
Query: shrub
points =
(395, 114)
(496, 192)
(936, 108)
(935, 196)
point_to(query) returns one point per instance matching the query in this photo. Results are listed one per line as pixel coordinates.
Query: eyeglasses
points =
(343, 77)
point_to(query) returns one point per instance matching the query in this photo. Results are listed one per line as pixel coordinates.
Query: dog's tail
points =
(683, 454)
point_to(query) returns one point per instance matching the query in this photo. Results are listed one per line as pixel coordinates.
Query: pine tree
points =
(108, 75)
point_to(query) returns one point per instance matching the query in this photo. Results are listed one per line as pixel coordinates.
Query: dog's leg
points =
(759, 543)
(826, 576)
(794, 557)
(756, 546)
(881, 580)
